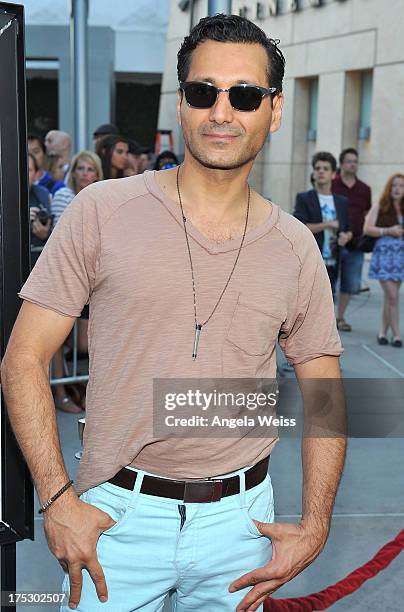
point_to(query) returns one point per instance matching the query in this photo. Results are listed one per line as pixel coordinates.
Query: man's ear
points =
(277, 106)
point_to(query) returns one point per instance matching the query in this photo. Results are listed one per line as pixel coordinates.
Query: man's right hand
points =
(72, 529)
(333, 224)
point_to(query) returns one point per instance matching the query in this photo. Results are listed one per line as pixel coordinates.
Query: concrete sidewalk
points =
(369, 510)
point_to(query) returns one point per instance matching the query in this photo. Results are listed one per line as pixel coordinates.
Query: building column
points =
(330, 120)
(275, 162)
(79, 62)
(219, 6)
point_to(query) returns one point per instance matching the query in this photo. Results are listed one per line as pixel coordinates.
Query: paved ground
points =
(370, 505)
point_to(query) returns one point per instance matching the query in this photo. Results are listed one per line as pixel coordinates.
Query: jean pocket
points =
(108, 498)
(259, 506)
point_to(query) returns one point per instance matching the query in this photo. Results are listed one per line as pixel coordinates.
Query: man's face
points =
(56, 143)
(221, 137)
(323, 174)
(133, 166)
(144, 162)
(350, 164)
(50, 140)
(32, 173)
(34, 147)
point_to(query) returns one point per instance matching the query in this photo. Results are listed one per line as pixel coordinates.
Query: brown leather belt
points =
(196, 491)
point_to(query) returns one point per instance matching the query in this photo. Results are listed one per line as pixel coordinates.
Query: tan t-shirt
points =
(120, 246)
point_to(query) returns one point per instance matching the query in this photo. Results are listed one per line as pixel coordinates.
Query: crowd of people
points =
(55, 177)
(338, 210)
(346, 224)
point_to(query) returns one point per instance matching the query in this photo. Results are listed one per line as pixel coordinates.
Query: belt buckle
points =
(203, 491)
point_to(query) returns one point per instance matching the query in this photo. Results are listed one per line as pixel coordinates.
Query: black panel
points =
(42, 105)
(137, 107)
(16, 488)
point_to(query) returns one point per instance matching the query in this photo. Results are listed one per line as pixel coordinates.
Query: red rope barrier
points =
(326, 598)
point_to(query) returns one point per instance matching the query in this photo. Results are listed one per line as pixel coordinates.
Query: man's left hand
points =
(343, 238)
(294, 547)
(40, 230)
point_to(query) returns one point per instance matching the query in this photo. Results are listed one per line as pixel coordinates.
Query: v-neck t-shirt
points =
(120, 246)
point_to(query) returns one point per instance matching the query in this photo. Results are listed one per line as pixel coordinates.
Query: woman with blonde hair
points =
(385, 221)
(85, 169)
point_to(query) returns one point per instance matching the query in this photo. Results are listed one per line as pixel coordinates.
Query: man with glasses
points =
(190, 274)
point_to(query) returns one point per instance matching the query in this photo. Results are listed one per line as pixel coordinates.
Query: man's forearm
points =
(315, 228)
(324, 438)
(31, 411)
(323, 462)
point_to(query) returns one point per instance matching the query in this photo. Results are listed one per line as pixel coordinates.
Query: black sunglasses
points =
(243, 97)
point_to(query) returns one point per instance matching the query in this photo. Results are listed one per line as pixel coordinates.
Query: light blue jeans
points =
(162, 546)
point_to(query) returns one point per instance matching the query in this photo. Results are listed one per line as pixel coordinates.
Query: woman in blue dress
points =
(385, 221)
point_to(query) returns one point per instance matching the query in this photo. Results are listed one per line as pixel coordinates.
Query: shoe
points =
(342, 325)
(382, 340)
(397, 343)
(67, 405)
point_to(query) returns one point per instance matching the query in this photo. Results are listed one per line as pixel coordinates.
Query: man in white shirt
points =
(325, 213)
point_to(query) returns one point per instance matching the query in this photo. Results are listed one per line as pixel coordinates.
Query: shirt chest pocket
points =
(250, 341)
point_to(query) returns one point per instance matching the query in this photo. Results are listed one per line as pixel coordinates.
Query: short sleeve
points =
(311, 330)
(64, 276)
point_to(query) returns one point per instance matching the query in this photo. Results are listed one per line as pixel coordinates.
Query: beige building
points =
(344, 86)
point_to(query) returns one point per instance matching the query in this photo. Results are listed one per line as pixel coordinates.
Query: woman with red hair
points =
(385, 221)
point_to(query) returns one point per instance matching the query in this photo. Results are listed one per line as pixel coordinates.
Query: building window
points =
(365, 104)
(313, 105)
(137, 106)
(42, 83)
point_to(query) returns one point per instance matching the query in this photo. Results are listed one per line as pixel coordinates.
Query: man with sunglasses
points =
(190, 274)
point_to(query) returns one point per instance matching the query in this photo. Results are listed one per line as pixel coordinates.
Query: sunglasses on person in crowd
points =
(243, 97)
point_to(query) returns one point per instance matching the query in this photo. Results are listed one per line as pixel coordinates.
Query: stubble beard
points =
(246, 155)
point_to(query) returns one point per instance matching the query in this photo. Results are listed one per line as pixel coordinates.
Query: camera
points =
(43, 216)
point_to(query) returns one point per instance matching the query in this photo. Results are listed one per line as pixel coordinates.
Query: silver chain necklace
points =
(198, 326)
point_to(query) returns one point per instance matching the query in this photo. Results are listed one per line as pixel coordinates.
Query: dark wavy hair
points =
(32, 136)
(232, 28)
(104, 150)
(324, 156)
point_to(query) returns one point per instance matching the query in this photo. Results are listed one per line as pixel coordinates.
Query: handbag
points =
(366, 244)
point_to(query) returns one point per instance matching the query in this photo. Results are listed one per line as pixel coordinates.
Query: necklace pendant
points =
(198, 328)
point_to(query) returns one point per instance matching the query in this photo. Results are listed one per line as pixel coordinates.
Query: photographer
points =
(39, 209)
